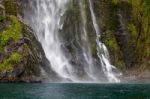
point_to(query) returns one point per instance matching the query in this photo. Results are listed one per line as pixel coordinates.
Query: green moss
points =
(10, 7)
(110, 41)
(115, 1)
(1, 18)
(11, 33)
(10, 62)
(119, 63)
(141, 17)
(132, 29)
(106, 13)
(25, 46)
(15, 58)
(134, 47)
(25, 49)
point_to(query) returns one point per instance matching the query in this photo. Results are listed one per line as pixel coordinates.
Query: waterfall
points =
(46, 17)
(86, 47)
(47, 22)
(102, 51)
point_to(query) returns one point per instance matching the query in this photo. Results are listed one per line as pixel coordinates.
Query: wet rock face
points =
(21, 55)
(72, 35)
(106, 14)
(17, 58)
(125, 31)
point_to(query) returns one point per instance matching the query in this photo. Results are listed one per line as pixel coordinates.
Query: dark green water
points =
(74, 91)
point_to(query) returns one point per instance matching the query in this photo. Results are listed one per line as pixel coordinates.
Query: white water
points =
(47, 21)
(86, 47)
(102, 51)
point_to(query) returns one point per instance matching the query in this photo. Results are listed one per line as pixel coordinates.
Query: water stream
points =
(102, 51)
(46, 19)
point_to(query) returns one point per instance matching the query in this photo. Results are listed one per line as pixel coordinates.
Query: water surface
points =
(74, 91)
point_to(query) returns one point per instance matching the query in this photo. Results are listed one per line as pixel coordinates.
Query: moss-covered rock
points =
(21, 55)
(106, 12)
(125, 27)
(108, 38)
(8, 64)
(10, 7)
(12, 32)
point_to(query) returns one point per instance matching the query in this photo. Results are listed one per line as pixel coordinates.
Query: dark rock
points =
(33, 59)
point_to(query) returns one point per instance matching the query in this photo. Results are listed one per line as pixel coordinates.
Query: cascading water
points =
(102, 51)
(46, 18)
(86, 50)
(46, 21)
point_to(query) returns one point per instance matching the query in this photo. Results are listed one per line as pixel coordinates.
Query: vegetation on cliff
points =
(125, 27)
(12, 32)
(8, 64)
(20, 59)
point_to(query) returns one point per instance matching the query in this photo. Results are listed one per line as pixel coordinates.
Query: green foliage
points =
(10, 62)
(11, 33)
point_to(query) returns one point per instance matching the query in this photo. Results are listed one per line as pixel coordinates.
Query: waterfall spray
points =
(46, 18)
